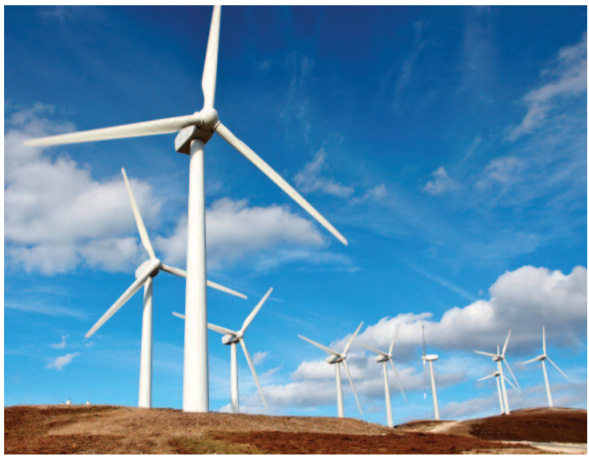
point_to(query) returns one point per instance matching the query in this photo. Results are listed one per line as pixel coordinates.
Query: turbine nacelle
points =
(430, 357)
(334, 359)
(382, 358)
(229, 339)
(152, 265)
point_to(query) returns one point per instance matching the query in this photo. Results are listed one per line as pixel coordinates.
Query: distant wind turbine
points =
(232, 338)
(336, 359)
(497, 376)
(430, 359)
(144, 277)
(499, 358)
(542, 358)
(383, 358)
(194, 131)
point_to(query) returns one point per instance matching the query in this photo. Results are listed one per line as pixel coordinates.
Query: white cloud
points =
(310, 180)
(44, 309)
(503, 170)
(61, 344)
(260, 356)
(236, 231)
(567, 78)
(441, 182)
(56, 215)
(61, 361)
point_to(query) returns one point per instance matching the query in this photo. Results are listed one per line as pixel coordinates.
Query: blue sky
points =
(447, 144)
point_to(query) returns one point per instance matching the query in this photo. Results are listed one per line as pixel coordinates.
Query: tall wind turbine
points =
(499, 358)
(383, 358)
(497, 376)
(232, 338)
(194, 131)
(542, 358)
(144, 277)
(336, 359)
(430, 359)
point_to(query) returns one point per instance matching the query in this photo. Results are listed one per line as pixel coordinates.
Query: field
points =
(111, 429)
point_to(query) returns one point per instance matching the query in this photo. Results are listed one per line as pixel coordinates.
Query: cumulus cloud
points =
(61, 344)
(236, 231)
(440, 183)
(61, 361)
(56, 215)
(310, 179)
(568, 77)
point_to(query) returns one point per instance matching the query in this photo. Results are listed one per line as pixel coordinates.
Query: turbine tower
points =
(232, 338)
(336, 359)
(499, 358)
(144, 277)
(497, 376)
(430, 359)
(542, 359)
(194, 131)
(383, 358)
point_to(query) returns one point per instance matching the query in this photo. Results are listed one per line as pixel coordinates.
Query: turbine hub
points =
(229, 339)
(202, 130)
(148, 265)
(209, 117)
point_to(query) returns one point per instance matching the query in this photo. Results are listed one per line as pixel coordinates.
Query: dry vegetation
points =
(110, 429)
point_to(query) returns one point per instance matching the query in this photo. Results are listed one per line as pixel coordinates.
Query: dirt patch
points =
(536, 425)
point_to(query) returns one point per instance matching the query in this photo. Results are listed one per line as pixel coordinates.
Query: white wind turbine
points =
(194, 131)
(144, 277)
(383, 358)
(542, 358)
(497, 376)
(430, 359)
(232, 338)
(498, 358)
(336, 359)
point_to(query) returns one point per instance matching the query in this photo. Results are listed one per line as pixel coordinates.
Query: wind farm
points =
(446, 228)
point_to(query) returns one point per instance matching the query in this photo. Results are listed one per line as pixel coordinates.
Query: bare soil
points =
(126, 430)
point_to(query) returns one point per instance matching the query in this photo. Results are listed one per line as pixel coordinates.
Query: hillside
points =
(111, 429)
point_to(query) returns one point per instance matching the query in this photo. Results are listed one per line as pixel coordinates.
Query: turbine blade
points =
(393, 341)
(138, 129)
(323, 347)
(494, 374)
(509, 381)
(352, 385)
(255, 311)
(221, 330)
(544, 339)
(423, 344)
(349, 344)
(131, 290)
(557, 368)
(277, 179)
(210, 284)
(373, 350)
(506, 342)
(179, 315)
(253, 370)
(537, 358)
(140, 225)
(485, 353)
(398, 379)
(217, 286)
(511, 372)
(209, 74)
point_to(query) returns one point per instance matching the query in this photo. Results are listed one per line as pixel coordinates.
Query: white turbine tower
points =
(430, 359)
(383, 358)
(144, 277)
(336, 359)
(232, 338)
(542, 358)
(499, 358)
(497, 376)
(194, 131)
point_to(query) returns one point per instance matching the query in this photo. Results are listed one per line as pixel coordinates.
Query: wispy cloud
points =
(61, 361)
(568, 77)
(260, 356)
(440, 281)
(441, 182)
(61, 344)
(44, 309)
(311, 180)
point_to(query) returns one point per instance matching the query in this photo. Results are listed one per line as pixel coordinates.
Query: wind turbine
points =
(336, 359)
(498, 358)
(497, 376)
(194, 131)
(383, 358)
(144, 277)
(430, 359)
(232, 338)
(542, 358)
